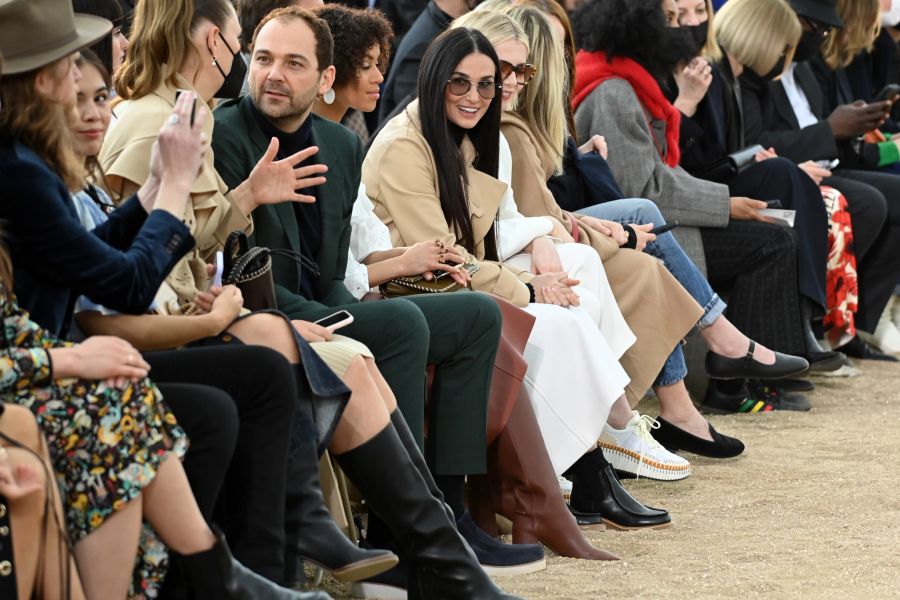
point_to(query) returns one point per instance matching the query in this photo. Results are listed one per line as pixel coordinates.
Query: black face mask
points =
(776, 70)
(699, 34)
(809, 45)
(234, 80)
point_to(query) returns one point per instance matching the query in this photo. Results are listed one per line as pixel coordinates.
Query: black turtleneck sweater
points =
(309, 221)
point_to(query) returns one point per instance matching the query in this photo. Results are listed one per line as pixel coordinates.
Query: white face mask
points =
(891, 17)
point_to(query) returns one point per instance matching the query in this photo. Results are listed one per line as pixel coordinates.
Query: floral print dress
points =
(105, 443)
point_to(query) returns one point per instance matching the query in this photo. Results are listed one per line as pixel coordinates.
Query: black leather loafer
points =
(674, 439)
(747, 367)
(858, 348)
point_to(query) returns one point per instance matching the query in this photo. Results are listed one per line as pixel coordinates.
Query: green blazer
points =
(238, 144)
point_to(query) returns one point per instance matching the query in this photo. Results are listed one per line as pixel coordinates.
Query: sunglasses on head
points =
(524, 71)
(460, 86)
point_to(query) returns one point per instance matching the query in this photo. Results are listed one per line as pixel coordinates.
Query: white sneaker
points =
(633, 450)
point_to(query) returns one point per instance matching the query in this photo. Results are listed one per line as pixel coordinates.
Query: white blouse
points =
(370, 235)
(515, 230)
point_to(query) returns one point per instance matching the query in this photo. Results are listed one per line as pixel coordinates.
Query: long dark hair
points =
(444, 138)
(111, 10)
(635, 29)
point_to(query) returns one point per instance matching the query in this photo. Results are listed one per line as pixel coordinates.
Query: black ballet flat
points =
(747, 367)
(674, 439)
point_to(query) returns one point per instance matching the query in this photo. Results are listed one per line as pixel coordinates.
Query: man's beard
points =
(296, 107)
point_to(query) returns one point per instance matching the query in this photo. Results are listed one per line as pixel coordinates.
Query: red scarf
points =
(592, 69)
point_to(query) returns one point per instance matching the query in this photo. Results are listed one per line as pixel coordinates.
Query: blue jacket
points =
(121, 264)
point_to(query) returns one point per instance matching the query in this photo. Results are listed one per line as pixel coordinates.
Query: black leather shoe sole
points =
(661, 523)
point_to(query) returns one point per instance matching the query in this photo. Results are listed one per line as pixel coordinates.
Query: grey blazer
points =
(613, 110)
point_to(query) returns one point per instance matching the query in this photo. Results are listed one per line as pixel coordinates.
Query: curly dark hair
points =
(635, 29)
(355, 31)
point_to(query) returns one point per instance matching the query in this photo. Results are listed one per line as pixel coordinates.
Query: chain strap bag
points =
(250, 269)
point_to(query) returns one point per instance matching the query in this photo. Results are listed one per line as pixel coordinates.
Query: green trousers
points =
(458, 333)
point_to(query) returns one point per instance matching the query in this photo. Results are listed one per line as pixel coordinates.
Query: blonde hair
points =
(160, 41)
(711, 50)
(496, 27)
(861, 27)
(758, 32)
(543, 101)
(42, 124)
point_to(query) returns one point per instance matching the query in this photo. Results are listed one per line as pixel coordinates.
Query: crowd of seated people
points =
(490, 228)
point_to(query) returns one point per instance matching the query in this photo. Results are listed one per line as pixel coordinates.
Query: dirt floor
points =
(811, 510)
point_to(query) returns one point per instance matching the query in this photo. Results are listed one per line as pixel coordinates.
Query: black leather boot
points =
(215, 573)
(441, 565)
(596, 492)
(310, 532)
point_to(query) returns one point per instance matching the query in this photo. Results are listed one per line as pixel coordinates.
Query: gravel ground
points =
(811, 510)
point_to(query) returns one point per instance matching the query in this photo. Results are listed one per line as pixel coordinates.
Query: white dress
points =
(574, 375)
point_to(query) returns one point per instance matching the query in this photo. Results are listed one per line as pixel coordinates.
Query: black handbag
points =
(250, 269)
(727, 167)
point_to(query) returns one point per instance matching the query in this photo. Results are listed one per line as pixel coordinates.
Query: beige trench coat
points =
(399, 175)
(657, 308)
(210, 215)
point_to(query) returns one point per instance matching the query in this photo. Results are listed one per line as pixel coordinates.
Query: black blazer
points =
(769, 118)
(120, 264)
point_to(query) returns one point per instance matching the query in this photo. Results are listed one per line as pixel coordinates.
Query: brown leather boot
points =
(529, 495)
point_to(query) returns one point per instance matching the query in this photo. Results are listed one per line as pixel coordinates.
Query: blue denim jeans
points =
(639, 211)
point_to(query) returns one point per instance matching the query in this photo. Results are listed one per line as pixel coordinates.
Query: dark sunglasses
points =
(460, 86)
(524, 71)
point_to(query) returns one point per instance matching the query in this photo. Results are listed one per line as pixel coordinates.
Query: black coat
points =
(716, 129)
(769, 120)
(401, 80)
(120, 264)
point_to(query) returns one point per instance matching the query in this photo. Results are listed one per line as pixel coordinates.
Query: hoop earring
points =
(328, 96)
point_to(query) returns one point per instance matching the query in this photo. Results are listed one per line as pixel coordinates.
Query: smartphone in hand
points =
(335, 321)
(664, 228)
(220, 268)
(193, 107)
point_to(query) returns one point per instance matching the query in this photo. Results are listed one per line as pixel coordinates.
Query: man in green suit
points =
(458, 333)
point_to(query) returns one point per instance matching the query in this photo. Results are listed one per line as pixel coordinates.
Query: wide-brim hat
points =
(34, 33)
(824, 11)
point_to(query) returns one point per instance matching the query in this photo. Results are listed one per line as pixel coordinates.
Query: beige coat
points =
(211, 216)
(657, 308)
(400, 179)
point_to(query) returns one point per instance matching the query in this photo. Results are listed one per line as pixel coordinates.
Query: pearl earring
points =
(329, 97)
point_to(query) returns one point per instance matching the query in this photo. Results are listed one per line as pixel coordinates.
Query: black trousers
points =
(873, 200)
(261, 385)
(754, 265)
(780, 179)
